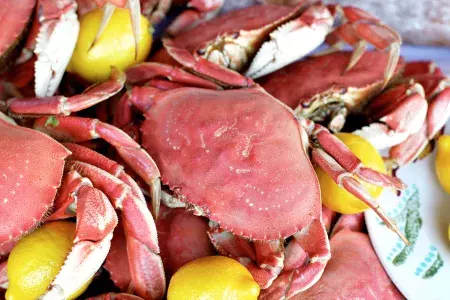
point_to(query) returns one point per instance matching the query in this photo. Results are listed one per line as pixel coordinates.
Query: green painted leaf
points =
(51, 121)
(438, 263)
(412, 228)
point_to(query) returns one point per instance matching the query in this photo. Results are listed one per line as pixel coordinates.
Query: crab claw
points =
(55, 44)
(309, 31)
(401, 111)
(96, 220)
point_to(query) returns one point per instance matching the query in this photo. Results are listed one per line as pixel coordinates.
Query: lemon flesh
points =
(213, 277)
(337, 198)
(36, 260)
(115, 47)
(442, 164)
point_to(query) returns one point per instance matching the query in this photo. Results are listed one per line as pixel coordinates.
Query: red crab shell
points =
(238, 155)
(31, 167)
(182, 238)
(353, 272)
(295, 85)
(16, 14)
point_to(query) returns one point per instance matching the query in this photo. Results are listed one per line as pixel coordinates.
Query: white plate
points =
(422, 270)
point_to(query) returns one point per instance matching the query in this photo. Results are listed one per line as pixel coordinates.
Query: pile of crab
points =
(208, 148)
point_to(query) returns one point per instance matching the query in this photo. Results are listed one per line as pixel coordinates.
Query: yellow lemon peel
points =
(213, 277)
(115, 47)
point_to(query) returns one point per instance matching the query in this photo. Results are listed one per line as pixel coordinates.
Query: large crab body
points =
(235, 154)
(237, 150)
(36, 156)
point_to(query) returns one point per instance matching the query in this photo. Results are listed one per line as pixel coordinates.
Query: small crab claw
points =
(398, 113)
(96, 220)
(359, 28)
(206, 68)
(55, 44)
(305, 259)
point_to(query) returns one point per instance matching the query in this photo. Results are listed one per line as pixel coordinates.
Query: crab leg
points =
(150, 70)
(343, 178)
(77, 129)
(117, 263)
(143, 251)
(94, 158)
(60, 105)
(264, 266)
(206, 68)
(65, 203)
(362, 28)
(96, 220)
(306, 257)
(348, 161)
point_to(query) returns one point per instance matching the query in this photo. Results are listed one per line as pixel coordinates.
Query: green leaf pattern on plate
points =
(407, 216)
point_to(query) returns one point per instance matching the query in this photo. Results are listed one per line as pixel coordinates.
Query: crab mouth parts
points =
(329, 110)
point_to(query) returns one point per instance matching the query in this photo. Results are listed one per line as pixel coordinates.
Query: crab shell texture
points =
(238, 156)
(353, 272)
(260, 18)
(295, 85)
(17, 15)
(31, 169)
